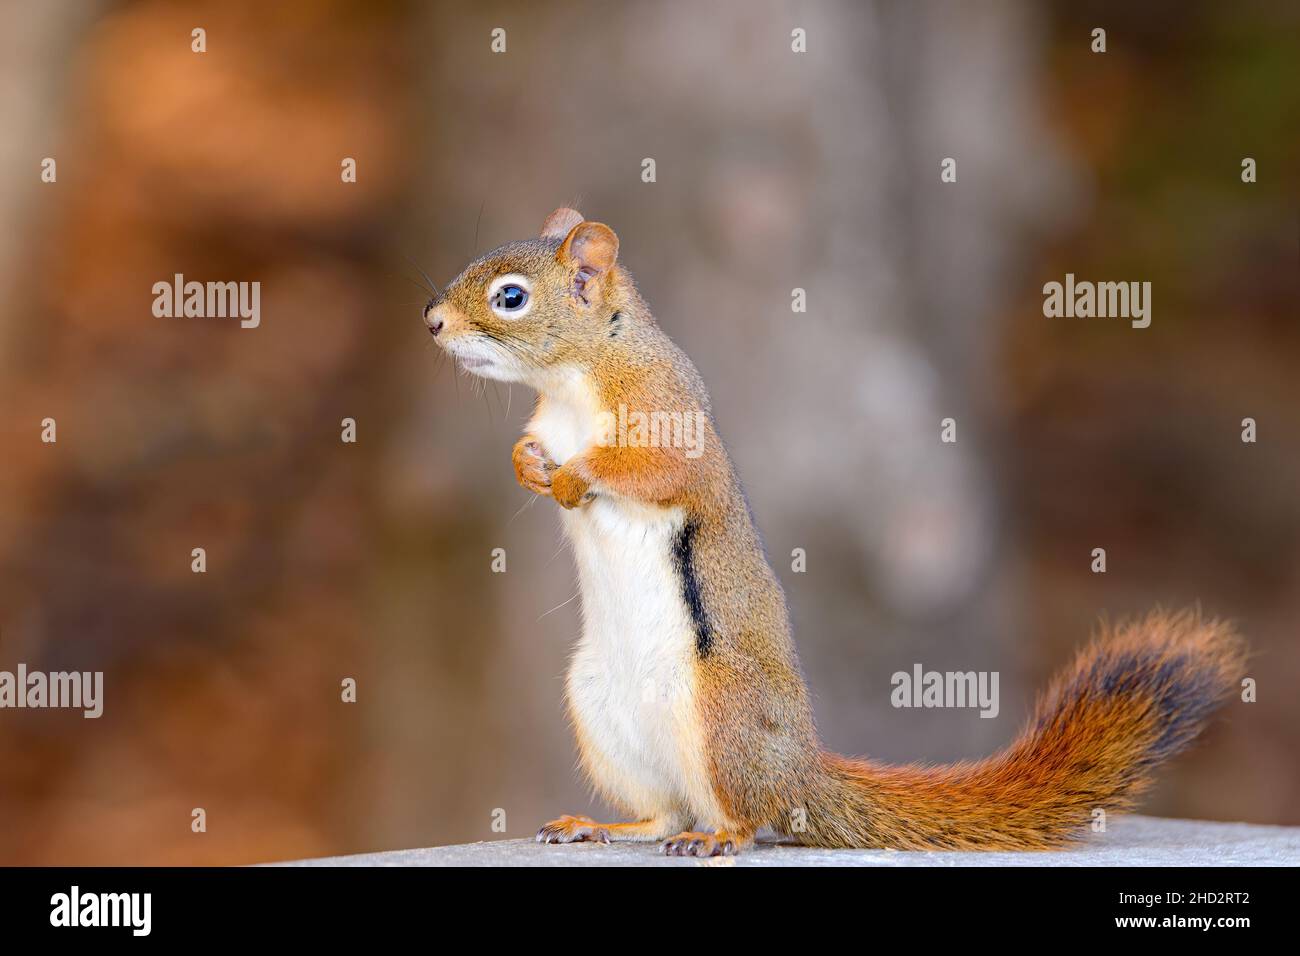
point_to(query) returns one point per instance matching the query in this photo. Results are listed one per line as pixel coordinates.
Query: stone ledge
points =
(1130, 841)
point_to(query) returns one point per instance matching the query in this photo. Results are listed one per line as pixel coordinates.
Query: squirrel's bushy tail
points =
(1133, 698)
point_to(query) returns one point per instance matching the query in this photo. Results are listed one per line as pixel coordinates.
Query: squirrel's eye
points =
(510, 295)
(509, 299)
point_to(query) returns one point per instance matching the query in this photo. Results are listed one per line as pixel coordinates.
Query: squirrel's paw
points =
(570, 829)
(533, 468)
(568, 488)
(691, 843)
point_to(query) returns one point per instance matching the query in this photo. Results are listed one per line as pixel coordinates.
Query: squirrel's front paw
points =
(568, 488)
(533, 468)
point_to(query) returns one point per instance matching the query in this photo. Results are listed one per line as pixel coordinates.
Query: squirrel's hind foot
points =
(571, 829)
(719, 843)
(578, 829)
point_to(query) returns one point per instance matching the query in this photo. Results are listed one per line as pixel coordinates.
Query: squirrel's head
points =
(532, 306)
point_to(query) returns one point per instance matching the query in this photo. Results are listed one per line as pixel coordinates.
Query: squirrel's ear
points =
(593, 248)
(592, 245)
(559, 223)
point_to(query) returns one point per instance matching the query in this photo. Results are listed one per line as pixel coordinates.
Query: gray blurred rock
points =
(1130, 841)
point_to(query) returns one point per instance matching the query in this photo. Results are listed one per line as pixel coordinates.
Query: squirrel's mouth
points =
(484, 359)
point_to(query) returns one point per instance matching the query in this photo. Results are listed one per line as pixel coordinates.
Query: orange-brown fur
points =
(1134, 697)
(1086, 748)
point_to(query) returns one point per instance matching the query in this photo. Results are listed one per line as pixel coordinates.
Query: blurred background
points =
(775, 170)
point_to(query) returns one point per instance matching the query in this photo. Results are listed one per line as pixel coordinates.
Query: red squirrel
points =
(684, 691)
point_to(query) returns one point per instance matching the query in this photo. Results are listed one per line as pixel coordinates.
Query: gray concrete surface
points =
(1129, 841)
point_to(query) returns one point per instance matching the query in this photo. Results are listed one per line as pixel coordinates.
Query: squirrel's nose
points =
(433, 318)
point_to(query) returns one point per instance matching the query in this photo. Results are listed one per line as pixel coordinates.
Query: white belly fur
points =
(631, 681)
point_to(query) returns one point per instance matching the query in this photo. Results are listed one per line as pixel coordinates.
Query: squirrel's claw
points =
(699, 844)
(571, 829)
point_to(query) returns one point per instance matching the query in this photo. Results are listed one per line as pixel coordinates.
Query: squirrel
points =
(684, 690)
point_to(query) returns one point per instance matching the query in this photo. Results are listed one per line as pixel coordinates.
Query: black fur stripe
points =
(684, 558)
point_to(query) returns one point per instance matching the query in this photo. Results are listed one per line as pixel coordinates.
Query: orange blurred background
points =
(775, 170)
